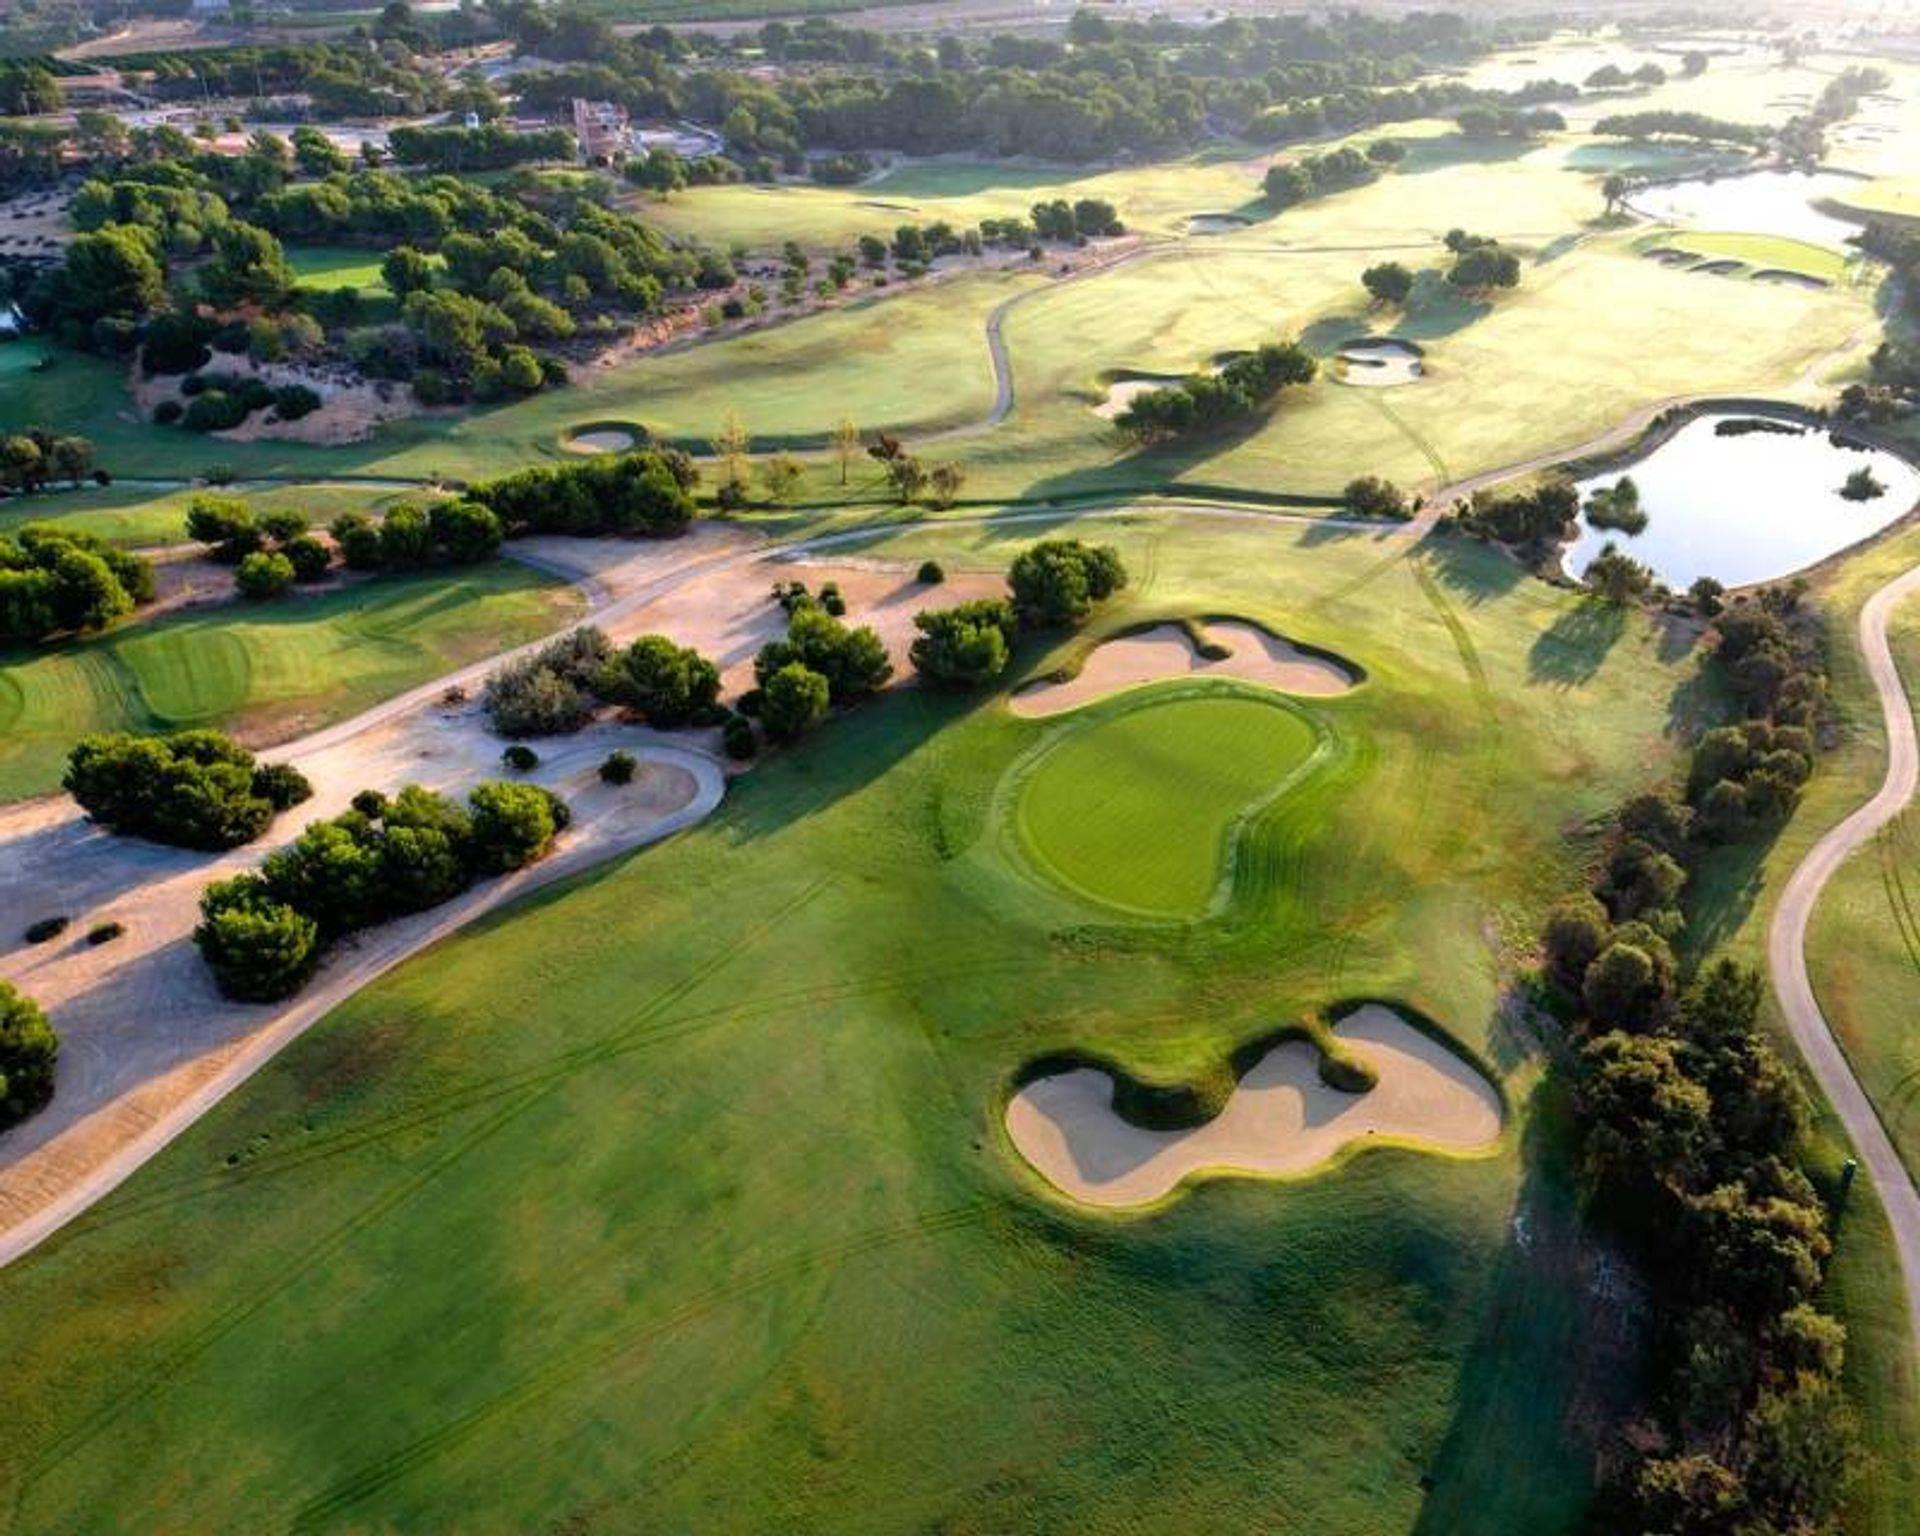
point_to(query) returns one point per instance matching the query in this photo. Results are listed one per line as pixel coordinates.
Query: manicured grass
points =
(1764, 253)
(1140, 808)
(1898, 196)
(266, 672)
(328, 267)
(141, 518)
(680, 1193)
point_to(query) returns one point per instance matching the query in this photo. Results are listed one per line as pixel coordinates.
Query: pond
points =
(1749, 507)
(1760, 203)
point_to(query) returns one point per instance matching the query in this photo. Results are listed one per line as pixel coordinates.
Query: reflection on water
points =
(1748, 507)
(1762, 203)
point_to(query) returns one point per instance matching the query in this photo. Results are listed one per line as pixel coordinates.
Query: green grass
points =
(328, 267)
(1140, 808)
(141, 518)
(268, 672)
(1764, 253)
(678, 1197)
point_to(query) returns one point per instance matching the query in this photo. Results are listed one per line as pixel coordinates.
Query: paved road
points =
(1787, 942)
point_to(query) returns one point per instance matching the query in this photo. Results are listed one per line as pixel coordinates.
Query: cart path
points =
(1787, 942)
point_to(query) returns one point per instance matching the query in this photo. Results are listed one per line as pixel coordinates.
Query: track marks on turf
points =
(597, 1352)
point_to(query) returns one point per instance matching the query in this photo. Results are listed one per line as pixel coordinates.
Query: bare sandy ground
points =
(1281, 1120)
(1165, 651)
(350, 410)
(598, 442)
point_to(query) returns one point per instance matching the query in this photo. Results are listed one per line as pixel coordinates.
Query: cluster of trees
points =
(1617, 507)
(28, 1050)
(1480, 262)
(1388, 282)
(1085, 218)
(490, 147)
(218, 402)
(1051, 585)
(1690, 1130)
(1500, 122)
(1532, 521)
(1696, 127)
(966, 645)
(461, 531)
(1802, 140)
(1295, 181)
(31, 460)
(552, 690)
(1371, 496)
(262, 934)
(268, 554)
(192, 789)
(913, 479)
(819, 663)
(647, 492)
(1208, 402)
(55, 581)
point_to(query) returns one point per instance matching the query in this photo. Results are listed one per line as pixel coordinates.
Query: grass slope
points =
(679, 1198)
(267, 672)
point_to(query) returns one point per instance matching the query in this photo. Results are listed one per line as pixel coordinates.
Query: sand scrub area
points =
(148, 1044)
(1166, 650)
(1282, 1119)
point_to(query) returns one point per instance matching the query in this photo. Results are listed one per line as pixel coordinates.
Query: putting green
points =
(1140, 809)
(1777, 253)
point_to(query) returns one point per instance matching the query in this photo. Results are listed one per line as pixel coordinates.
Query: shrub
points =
(966, 645)
(551, 691)
(931, 573)
(262, 575)
(520, 759)
(281, 785)
(214, 410)
(832, 600)
(619, 768)
(1371, 496)
(311, 560)
(193, 789)
(47, 930)
(513, 824)
(359, 541)
(671, 685)
(54, 581)
(105, 933)
(406, 538)
(645, 492)
(292, 401)
(259, 950)
(167, 412)
(853, 661)
(795, 701)
(737, 738)
(1056, 582)
(226, 525)
(28, 1049)
(464, 531)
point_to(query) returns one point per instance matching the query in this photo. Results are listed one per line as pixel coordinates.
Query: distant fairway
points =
(1138, 808)
(266, 671)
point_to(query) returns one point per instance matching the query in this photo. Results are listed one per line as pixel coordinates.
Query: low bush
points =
(193, 789)
(262, 575)
(311, 560)
(520, 759)
(28, 1050)
(670, 685)
(553, 690)
(738, 740)
(619, 768)
(46, 930)
(1056, 582)
(292, 401)
(105, 933)
(931, 573)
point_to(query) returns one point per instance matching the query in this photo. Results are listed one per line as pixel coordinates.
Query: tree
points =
(248, 267)
(406, 537)
(192, 789)
(262, 575)
(28, 1050)
(331, 873)
(359, 540)
(1617, 577)
(1802, 1453)
(1371, 496)
(1614, 189)
(944, 481)
(1575, 933)
(513, 824)
(1643, 1118)
(407, 271)
(1056, 582)
(115, 270)
(966, 645)
(1693, 63)
(781, 475)
(618, 767)
(672, 685)
(1389, 282)
(853, 661)
(730, 446)
(1481, 267)
(464, 531)
(1622, 986)
(794, 700)
(845, 440)
(259, 950)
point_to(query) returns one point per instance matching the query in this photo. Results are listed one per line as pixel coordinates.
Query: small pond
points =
(1758, 203)
(1749, 507)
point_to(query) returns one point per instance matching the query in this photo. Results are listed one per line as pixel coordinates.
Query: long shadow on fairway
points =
(1471, 570)
(1576, 646)
(1551, 1369)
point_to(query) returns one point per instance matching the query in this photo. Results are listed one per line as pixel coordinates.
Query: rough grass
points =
(1140, 806)
(139, 517)
(267, 672)
(679, 1195)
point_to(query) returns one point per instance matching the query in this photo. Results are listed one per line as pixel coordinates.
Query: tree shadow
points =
(1470, 569)
(1721, 894)
(1551, 1371)
(1448, 151)
(1571, 650)
(1436, 309)
(1331, 332)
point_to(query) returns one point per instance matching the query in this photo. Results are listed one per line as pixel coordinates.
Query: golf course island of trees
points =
(951, 768)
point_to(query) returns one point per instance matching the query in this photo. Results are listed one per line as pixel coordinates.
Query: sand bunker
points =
(600, 440)
(1216, 223)
(1792, 279)
(1379, 362)
(1166, 651)
(1281, 1119)
(1122, 394)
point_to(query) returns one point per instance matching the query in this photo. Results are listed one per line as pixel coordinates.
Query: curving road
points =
(1787, 941)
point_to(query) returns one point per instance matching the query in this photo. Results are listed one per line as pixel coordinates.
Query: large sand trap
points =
(1122, 394)
(1281, 1119)
(1165, 651)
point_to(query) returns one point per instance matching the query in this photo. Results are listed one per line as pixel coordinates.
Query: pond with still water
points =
(1761, 203)
(1748, 507)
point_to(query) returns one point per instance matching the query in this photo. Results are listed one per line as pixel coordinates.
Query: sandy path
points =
(1281, 1119)
(1165, 651)
(1787, 942)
